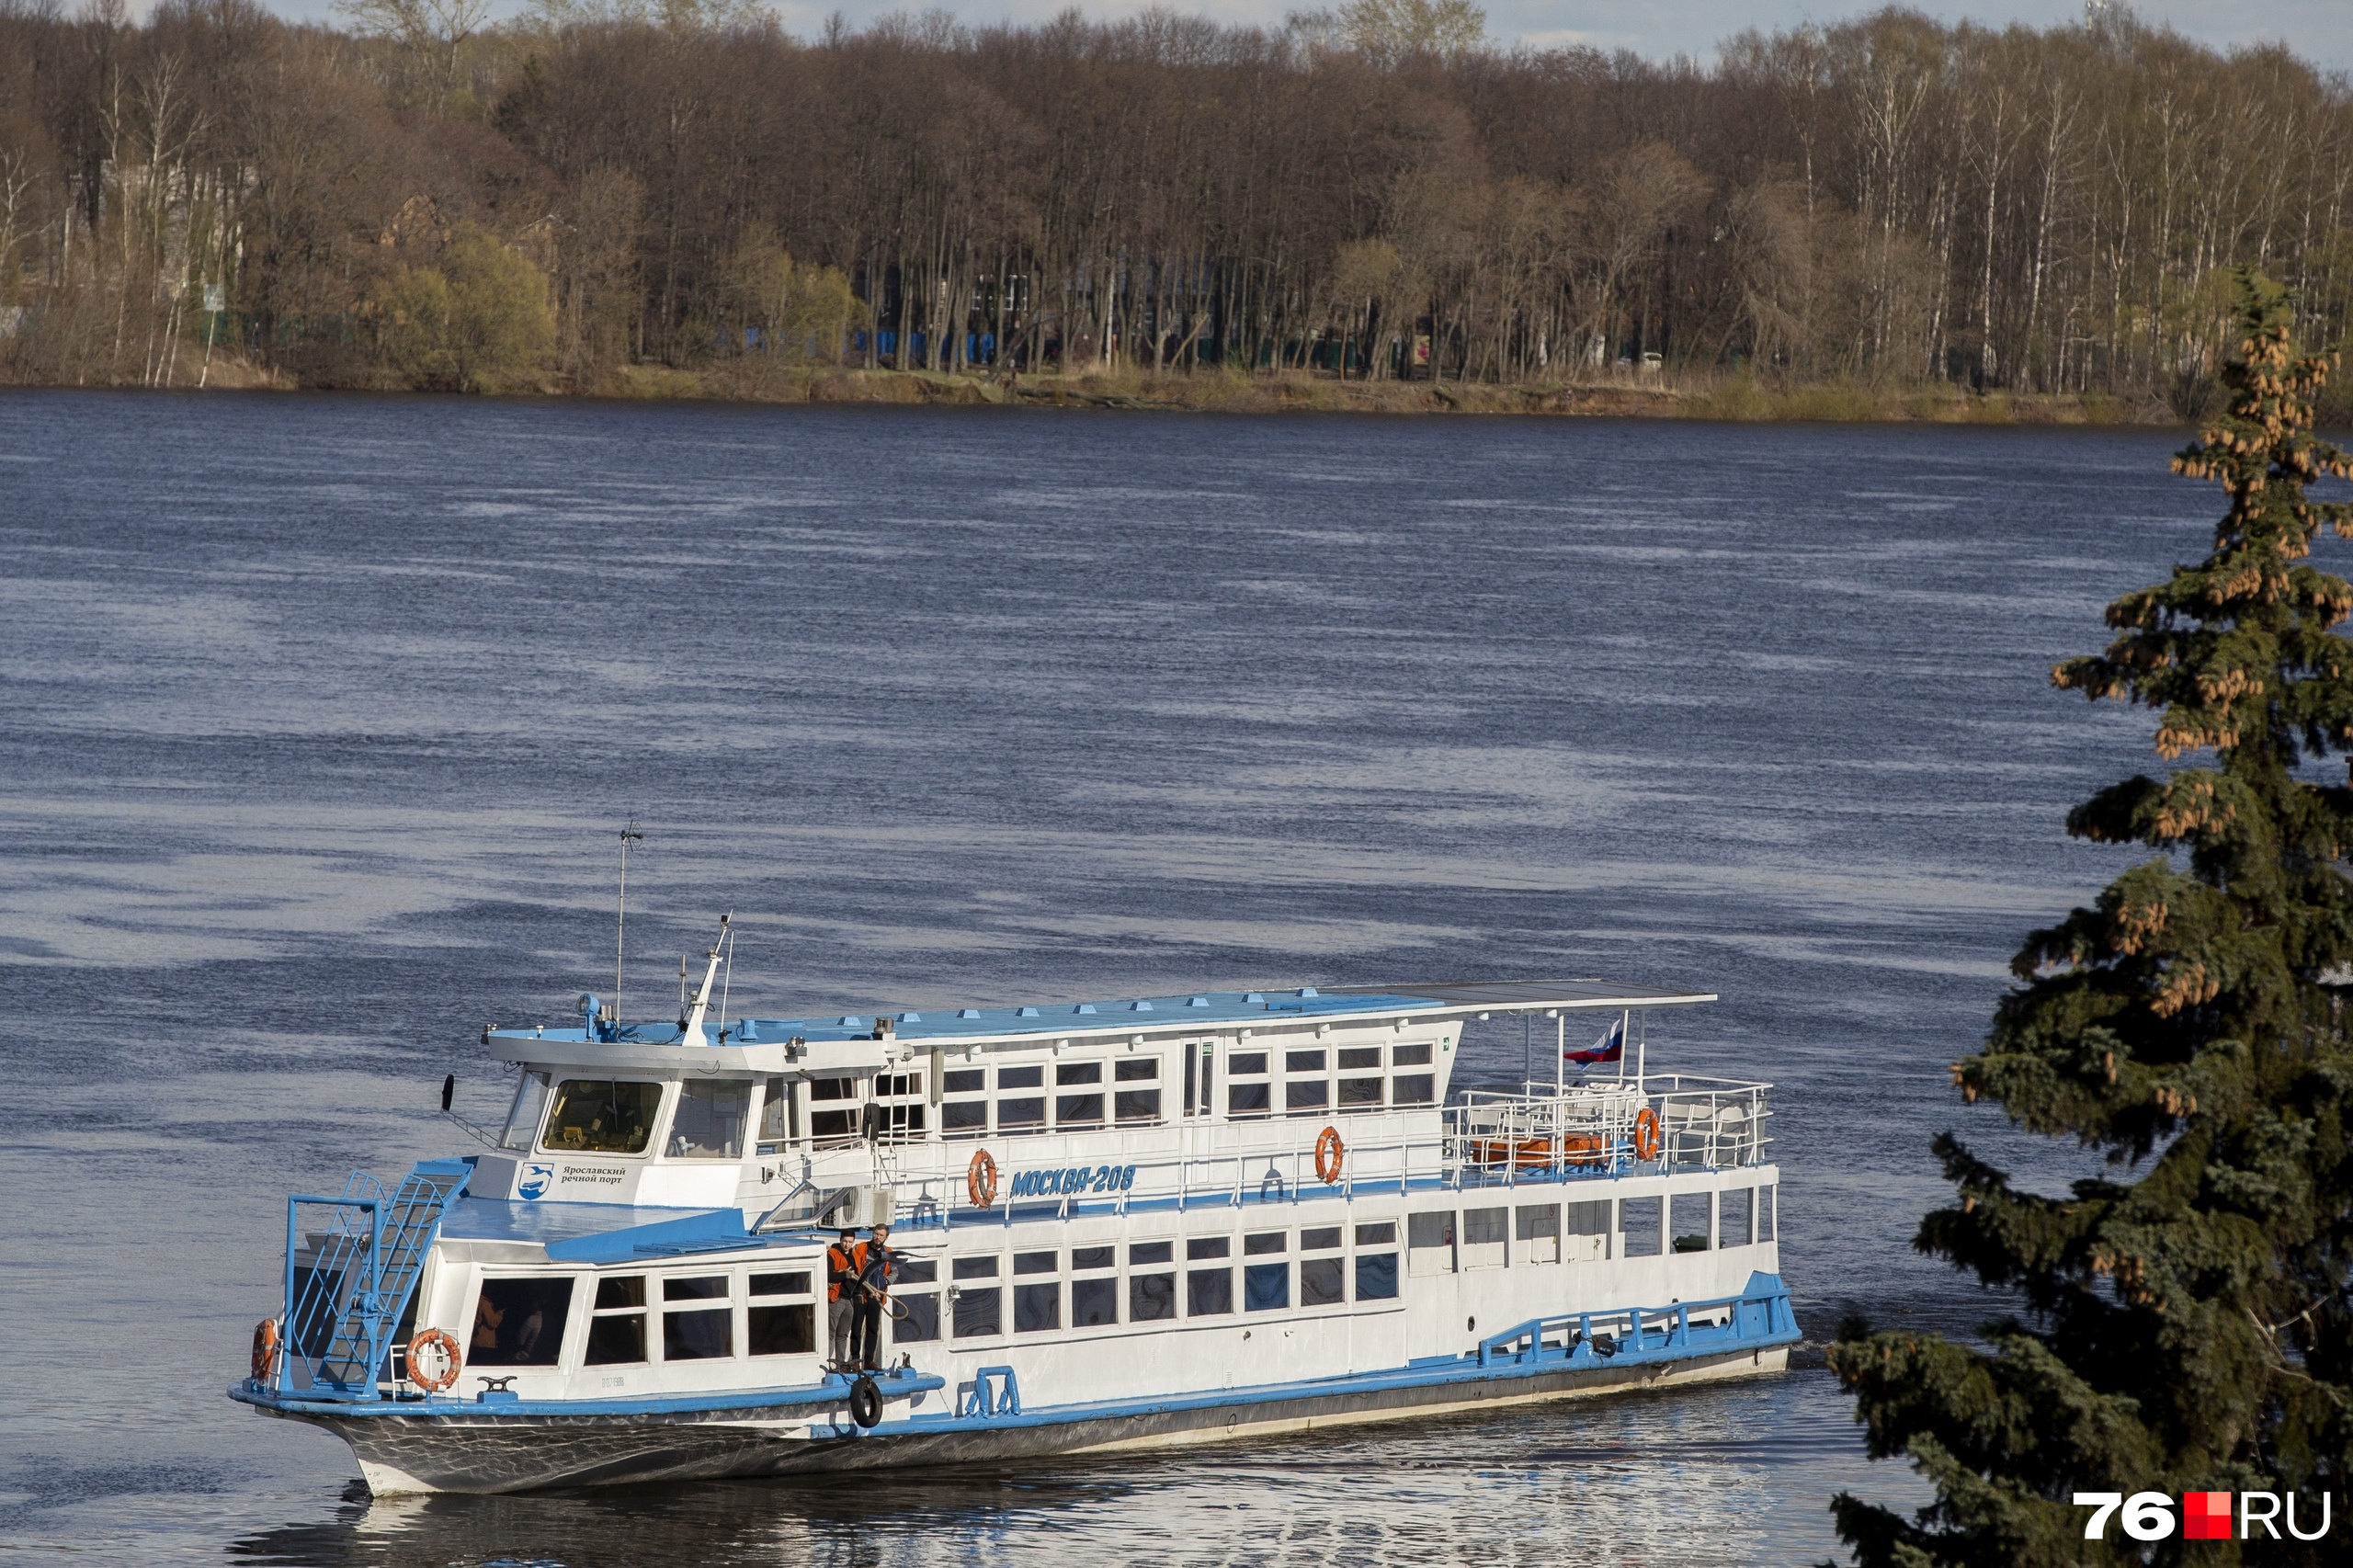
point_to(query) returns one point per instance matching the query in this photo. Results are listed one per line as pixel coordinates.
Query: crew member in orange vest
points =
(843, 1263)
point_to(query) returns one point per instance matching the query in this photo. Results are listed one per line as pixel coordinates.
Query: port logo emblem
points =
(535, 1181)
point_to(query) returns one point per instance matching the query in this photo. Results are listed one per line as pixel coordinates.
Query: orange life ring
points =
(434, 1339)
(1330, 1154)
(265, 1350)
(1646, 1139)
(980, 1180)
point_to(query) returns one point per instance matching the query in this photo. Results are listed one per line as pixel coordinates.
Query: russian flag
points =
(1610, 1046)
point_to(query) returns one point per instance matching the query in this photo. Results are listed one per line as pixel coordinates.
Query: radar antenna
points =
(620, 918)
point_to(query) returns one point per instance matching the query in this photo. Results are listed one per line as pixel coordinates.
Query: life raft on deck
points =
(1540, 1153)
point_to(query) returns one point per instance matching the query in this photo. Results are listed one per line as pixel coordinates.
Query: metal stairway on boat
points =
(341, 1310)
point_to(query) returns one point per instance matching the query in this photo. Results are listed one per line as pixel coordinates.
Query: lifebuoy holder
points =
(1330, 1155)
(434, 1341)
(1646, 1137)
(980, 1180)
(265, 1350)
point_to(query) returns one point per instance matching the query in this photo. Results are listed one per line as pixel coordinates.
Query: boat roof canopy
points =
(1154, 1015)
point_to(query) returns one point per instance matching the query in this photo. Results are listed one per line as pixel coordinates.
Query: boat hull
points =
(466, 1452)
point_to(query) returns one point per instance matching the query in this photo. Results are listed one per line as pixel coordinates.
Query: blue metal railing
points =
(342, 1309)
(1759, 1317)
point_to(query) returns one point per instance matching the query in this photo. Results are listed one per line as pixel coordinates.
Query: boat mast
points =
(620, 918)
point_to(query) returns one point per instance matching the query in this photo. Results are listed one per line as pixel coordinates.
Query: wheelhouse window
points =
(519, 1322)
(780, 1117)
(709, 1122)
(1429, 1242)
(832, 1111)
(1536, 1233)
(701, 1330)
(617, 1330)
(523, 1116)
(601, 1116)
(900, 1096)
(1733, 1227)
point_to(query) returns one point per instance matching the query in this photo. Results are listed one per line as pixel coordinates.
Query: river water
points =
(318, 717)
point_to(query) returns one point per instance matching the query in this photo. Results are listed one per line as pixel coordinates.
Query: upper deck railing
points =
(1665, 1124)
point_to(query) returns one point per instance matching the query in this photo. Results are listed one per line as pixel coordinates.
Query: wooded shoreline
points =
(1737, 400)
(1882, 218)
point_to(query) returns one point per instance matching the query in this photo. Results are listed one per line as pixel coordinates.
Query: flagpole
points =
(1641, 1066)
(1561, 1057)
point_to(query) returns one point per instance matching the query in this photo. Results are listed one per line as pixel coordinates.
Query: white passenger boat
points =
(1122, 1223)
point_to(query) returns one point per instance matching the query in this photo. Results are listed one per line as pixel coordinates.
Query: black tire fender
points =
(866, 1401)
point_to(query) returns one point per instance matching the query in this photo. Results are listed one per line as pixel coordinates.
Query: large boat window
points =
(1245, 1064)
(1021, 1077)
(980, 1308)
(1360, 1093)
(1536, 1233)
(1429, 1242)
(1376, 1277)
(1323, 1238)
(1416, 1088)
(1765, 1213)
(1302, 1062)
(920, 1321)
(697, 1334)
(1037, 1308)
(1245, 1099)
(1091, 1257)
(523, 1116)
(780, 1117)
(969, 1081)
(1321, 1282)
(1266, 1287)
(709, 1122)
(1410, 1055)
(1264, 1241)
(1093, 1303)
(781, 1284)
(1078, 1111)
(1731, 1218)
(617, 1333)
(1381, 1235)
(1208, 1292)
(1638, 1223)
(780, 1330)
(1138, 1070)
(1589, 1230)
(1015, 1115)
(1034, 1262)
(1482, 1237)
(519, 1322)
(1360, 1058)
(1306, 1098)
(964, 1119)
(1687, 1220)
(1068, 1072)
(1136, 1104)
(601, 1116)
(1142, 1253)
(1153, 1297)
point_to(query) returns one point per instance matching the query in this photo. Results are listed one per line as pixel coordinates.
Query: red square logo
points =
(2205, 1516)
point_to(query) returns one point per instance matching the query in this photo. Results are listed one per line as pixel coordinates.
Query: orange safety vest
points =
(838, 1262)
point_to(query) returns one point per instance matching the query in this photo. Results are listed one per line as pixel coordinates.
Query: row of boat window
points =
(520, 1322)
(617, 1115)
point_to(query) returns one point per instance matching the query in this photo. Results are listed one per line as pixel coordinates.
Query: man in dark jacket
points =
(874, 1271)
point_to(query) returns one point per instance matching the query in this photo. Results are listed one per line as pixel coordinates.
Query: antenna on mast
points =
(620, 918)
